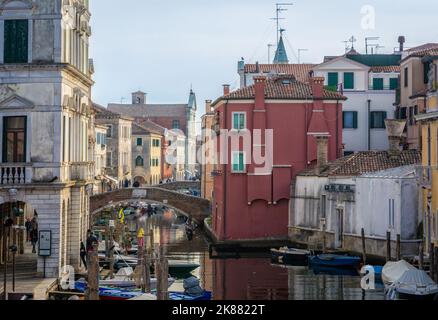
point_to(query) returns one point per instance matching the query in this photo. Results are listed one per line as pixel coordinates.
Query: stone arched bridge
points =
(196, 208)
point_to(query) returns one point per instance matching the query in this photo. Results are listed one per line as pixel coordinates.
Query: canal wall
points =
(374, 246)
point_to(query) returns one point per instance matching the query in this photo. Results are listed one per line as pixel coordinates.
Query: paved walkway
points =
(26, 279)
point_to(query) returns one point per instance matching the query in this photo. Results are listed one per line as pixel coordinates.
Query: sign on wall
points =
(45, 243)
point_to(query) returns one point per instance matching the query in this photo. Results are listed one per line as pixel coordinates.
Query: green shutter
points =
(378, 84)
(236, 121)
(241, 162)
(348, 80)
(333, 79)
(393, 83)
(242, 121)
(16, 41)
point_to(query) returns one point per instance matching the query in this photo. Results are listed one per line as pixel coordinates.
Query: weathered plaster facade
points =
(52, 91)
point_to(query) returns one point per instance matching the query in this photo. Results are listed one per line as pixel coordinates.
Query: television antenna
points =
(371, 45)
(280, 7)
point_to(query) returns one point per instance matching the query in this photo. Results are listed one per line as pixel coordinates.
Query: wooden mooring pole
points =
(388, 246)
(436, 264)
(421, 256)
(162, 274)
(93, 275)
(364, 252)
(432, 261)
(111, 251)
(398, 248)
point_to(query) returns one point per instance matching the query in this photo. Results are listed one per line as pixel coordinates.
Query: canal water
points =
(251, 276)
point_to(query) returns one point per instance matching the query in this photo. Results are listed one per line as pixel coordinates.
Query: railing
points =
(13, 174)
(82, 171)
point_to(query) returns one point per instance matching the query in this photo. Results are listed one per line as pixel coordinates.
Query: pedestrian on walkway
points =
(34, 232)
(83, 255)
(28, 226)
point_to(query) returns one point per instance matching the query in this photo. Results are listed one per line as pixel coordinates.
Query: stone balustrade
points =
(15, 174)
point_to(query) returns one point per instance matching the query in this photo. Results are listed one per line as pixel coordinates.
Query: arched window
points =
(139, 161)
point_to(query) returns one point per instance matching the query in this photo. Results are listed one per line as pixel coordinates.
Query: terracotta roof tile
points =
(282, 87)
(366, 162)
(430, 49)
(300, 71)
(384, 69)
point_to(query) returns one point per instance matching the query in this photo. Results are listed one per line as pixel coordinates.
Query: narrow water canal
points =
(252, 276)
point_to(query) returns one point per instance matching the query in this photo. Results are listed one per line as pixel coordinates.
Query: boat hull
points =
(335, 261)
(289, 258)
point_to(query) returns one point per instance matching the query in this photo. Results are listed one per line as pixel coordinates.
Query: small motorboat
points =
(128, 283)
(392, 271)
(334, 271)
(334, 260)
(413, 285)
(176, 269)
(290, 256)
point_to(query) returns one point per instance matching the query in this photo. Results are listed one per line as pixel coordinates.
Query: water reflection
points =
(251, 277)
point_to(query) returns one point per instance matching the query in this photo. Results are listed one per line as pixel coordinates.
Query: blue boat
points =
(334, 260)
(317, 270)
(108, 293)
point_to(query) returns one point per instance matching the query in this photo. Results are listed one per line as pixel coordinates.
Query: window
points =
(406, 76)
(377, 119)
(393, 83)
(349, 80)
(100, 138)
(16, 41)
(238, 164)
(403, 113)
(349, 120)
(378, 84)
(109, 131)
(14, 139)
(426, 69)
(139, 162)
(239, 120)
(176, 124)
(109, 159)
(155, 143)
(139, 142)
(333, 80)
(323, 206)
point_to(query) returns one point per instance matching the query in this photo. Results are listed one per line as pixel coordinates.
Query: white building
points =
(374, 190)
(369, 82)
(46, 121)
(100, 152)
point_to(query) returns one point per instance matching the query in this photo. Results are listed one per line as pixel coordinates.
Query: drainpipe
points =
(338, 155)
(369, 124)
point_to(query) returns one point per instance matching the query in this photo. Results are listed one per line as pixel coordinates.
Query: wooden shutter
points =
(348, 80)
(378, 84)
(393, 83)
(16, 41)
(355, 119)
(333, 79)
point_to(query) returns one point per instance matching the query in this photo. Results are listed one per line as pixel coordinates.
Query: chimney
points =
(321, 152)
(317, 84)
(257, 67)
(394, 129)
(208, 107)
(401, 41)
(226, 89)
(259, 88)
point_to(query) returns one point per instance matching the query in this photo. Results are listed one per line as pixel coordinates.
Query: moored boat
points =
(290, 256)
(413, 285)
(334, 260)
(393, 270)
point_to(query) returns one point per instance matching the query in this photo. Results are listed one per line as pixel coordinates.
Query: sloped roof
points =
(282, 87)
(149, 110)
(300, 71)
(102, 113)
(139, 129)
(365, 162)
(423, 50)
(385, 69)
(376, 60)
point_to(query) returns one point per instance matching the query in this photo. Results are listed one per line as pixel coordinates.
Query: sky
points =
(166, 47)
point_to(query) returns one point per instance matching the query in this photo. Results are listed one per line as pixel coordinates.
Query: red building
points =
(252, 203)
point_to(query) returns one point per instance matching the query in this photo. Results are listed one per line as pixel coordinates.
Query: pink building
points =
(251, 203)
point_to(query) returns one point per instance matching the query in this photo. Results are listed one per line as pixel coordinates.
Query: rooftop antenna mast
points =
(280, 7)
(352, 40)
(368, 45)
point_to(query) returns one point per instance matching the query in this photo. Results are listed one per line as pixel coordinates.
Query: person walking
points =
(83, 255)
(34, 232)
(28, 226)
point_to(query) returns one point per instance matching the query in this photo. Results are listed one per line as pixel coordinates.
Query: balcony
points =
(425, 177)
(15, 173)
(82, 171)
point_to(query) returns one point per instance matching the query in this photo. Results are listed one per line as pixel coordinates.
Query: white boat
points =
(413, 285)
(145, 297)
(392, 271)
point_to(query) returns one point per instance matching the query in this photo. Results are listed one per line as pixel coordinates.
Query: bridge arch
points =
(196, 208)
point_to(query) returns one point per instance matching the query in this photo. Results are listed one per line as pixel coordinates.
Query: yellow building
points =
(146, 155)
(429, 132)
